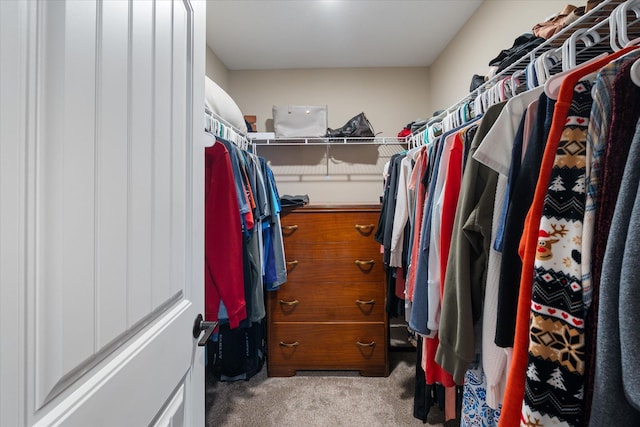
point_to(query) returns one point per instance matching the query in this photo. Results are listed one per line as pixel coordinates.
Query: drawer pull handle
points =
(290, 227)
(289, 345)
(366, 344)
(364, 227)
(290, 303)
(294, 262)
(370, 262)
(370, 302)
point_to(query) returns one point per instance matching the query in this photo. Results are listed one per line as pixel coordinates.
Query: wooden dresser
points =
(330, 315)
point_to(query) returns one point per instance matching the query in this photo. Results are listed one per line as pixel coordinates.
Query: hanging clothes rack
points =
(378, 140)
(559, 53)
(221, 128)
(605, 29)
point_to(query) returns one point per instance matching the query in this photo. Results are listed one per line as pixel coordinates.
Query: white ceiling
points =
(282, 34)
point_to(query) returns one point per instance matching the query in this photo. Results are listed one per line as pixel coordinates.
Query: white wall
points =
(216, 70)
(492, 28)
(390, 97)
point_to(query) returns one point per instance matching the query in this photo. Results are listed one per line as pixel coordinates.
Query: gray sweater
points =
(616, 395)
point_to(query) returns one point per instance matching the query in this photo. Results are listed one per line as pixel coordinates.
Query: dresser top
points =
(333, 208)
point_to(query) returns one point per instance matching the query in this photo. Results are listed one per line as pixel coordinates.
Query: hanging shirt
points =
(434, 249)
(401, 214)
(239, 183)
(466, 266)
(222, 239)
(420, 311)
(523, 189)
(500, 150)
(420, 190)
(275, 264)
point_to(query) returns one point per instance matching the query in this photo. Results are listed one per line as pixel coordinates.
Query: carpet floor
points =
(318, 399)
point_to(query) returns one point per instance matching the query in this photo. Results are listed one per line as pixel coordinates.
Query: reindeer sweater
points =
(554, 383)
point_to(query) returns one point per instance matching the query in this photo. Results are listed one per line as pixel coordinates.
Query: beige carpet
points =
(317, 399)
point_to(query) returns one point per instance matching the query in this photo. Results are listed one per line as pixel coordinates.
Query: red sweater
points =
(223, 273)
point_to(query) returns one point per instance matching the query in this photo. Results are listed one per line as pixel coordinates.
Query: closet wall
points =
(216, 70)
(391, 98)
(493, 27)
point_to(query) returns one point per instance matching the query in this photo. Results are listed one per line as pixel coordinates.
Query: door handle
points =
(199, 326)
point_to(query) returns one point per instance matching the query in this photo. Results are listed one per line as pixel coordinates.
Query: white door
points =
(101, 187)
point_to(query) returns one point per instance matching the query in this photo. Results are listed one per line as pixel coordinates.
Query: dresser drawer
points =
(311, 346)
(336, 227)
(333, 302)
(334, 263)
(322, 250)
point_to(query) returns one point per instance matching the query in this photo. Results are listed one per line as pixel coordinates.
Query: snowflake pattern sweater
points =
(554, 383)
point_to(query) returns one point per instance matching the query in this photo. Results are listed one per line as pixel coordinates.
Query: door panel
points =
(140, 189)
(110, 397)
(112, 149)
(65, 263)
(101, 217)
(14, 77)
(162, 166)
(173, 415)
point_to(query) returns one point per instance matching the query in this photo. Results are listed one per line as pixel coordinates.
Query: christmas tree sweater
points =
(554, 383)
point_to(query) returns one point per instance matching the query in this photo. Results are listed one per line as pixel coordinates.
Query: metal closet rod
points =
(378, 140)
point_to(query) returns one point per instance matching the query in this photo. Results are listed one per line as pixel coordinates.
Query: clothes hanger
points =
(618, 23)
(543, 66)
(480, 102)
(622, 22)
(458, 117)
(515, 81)
(209, 139)
(532, 75)
(505, 88)
(590, 37)
(484, 99)
(446, 122)
(498, 93)
(418, 139)
(613, 33)
(635, 68)
(495, 94)
(502, 93)
(635, 72)
(542, 72)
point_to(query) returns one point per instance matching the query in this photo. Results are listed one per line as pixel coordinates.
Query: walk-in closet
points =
(319, 213)
(448, 270)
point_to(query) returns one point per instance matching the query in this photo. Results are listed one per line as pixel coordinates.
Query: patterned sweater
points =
(554, 383)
